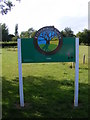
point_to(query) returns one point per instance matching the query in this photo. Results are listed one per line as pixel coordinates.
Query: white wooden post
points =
(76, 73)
(20, 74)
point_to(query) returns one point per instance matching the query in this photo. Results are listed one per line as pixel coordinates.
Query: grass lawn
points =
(48, 88)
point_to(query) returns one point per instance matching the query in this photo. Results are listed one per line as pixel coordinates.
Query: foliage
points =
(10, 36)
(67, 32)
(5, 33)
(24, 34)
(14, 38)
(80, 35)
(16, 30)
(5, 6)
(30, 30)
(8, 44)
(6, 37)
(84, 36)
(28, 34)
(33, 34)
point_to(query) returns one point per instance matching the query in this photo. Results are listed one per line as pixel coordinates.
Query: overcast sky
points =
(40, 13)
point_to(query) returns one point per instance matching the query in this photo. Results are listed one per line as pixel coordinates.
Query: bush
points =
(14, 38)
(14, 44)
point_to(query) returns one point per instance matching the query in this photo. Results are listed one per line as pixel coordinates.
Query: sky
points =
(40, 13)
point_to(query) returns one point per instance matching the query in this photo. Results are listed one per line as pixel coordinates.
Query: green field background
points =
(48, 88)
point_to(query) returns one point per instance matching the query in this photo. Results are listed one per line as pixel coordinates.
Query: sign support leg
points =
(76, 73)
(20, 74)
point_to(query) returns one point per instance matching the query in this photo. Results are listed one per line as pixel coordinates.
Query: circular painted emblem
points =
(48, 40)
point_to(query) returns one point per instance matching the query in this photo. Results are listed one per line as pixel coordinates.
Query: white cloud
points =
(39, 13)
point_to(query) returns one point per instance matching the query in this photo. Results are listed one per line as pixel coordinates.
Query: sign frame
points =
(66, 52)
(76, 73)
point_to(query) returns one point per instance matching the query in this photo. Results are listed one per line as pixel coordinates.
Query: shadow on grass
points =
(44, 98)
(83, 68)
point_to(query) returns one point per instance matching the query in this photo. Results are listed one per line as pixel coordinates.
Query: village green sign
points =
(48, 45)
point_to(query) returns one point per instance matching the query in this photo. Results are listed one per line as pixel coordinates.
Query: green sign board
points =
(48, 45)
(30, 53)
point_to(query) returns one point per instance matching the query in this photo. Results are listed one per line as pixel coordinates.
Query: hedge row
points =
(8, 44)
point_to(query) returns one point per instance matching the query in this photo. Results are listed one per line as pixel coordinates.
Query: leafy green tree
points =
(33, 34)
(88, 37)
(5, 33)
(10, 36)
(67, 32)
(6, 5)
(84, 36)
(24, 34)
(16, 31)
(80, 36)
(30, 31)
(14, 38)
(63, 33)
(27, 34)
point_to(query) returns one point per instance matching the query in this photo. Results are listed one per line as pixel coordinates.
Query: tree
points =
(10, 36)
(28, 34)
(16, 30)
(67, 32)
(24, 34)
(63, 33)
(80, 35)
(5, 6)
(5, 33)
(30, 31)
(88, 37)
(14, 39)
(33, 34)
(84, 36)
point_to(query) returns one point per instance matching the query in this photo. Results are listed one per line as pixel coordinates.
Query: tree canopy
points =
(67, 32)
(5, 32)
(84, 36)
(16, 30)
(6, 5)
(28, 34)
(6, 37)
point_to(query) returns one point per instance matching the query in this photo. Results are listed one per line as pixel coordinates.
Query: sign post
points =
(20, 74)
(76, 73)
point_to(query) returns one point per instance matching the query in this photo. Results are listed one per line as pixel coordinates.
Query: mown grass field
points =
(48, 88)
